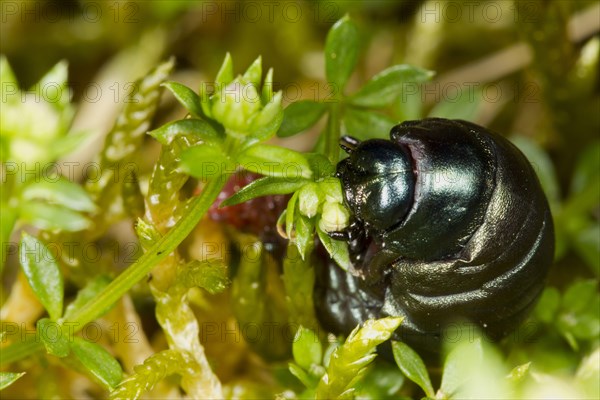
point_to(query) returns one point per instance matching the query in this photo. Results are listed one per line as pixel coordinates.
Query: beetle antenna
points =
(348, 143)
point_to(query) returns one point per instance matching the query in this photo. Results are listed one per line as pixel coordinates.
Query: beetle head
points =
(378, 182)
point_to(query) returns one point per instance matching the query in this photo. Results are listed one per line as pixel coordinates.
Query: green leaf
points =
(299, 116)
(267, 90)
(51, 217)
(587, 326)
(56, 340)
(383, 381)
(254, 72)
(61, 192)
(90, 291)
(164, 189)
(225, 74)
(210, 275)
(258, 298)
(330, 349)
(580, 295)
(299, 282)
(518, 373)
(268, 121)
(461, 361)
(202, 129)
(474, 370)
(341, 52)
(98, 362)
(154, 368)
(43, 274)
(8, 378)
(309, 198)
(132, 197)
(206, 97)
(290, 212)
(127, 135)
(579, 318)
(587, 170)
(547, 306)
(205, 161)
(320, 165)
(387, 85)
(587, 245)
(412, 366)
(307, 380)
(542, 165)
(187, 97)
(348, 362)
(304, 239)
(365, 125)
(7, 76)
(53, 84)
(337, 249)
(275, 161)
(307, 348)
(332, 187)
(146, 233)
(266, 186)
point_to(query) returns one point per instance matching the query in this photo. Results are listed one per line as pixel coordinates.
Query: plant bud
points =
(335, 217)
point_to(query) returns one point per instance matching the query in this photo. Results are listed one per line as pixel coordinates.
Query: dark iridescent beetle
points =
(449, 224)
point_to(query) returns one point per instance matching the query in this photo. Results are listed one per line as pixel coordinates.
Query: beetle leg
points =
(348, 143)
(353, 232)
(339, 235)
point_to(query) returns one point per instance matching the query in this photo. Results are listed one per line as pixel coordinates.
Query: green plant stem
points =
(332, 140)
(152, 257)
(120, 285)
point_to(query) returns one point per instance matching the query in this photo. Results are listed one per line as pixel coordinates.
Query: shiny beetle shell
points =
(450, 224)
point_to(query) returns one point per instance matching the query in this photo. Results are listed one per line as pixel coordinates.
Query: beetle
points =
(449, 224)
